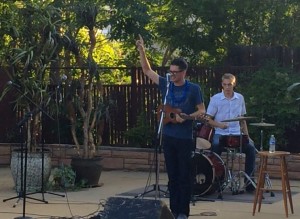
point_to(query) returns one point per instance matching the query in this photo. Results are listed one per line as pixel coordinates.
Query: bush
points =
(266, 97)
(142, 134)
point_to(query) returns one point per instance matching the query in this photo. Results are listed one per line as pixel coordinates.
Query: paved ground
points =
(87, 202)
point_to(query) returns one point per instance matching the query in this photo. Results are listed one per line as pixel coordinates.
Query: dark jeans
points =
(249, 150)
(178, 158)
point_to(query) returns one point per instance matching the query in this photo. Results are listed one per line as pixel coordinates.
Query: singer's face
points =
(176, 73)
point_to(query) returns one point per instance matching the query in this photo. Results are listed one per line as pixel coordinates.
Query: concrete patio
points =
(88, 202)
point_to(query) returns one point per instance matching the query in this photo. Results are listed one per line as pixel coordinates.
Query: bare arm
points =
(244, 127)
(214, 123)
(197, 114)
(145, 63)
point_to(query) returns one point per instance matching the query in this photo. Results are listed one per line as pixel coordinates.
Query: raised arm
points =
(144, 61)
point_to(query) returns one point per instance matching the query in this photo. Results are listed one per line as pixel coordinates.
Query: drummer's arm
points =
(216, 124)
(244, 127)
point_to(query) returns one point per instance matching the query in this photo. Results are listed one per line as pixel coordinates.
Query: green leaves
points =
(292, 87)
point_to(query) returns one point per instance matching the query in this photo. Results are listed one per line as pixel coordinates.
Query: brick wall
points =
(142, 159)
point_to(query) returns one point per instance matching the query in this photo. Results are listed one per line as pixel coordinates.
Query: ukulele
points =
(170, 114)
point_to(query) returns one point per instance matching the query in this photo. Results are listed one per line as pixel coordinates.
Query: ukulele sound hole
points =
(172, 115)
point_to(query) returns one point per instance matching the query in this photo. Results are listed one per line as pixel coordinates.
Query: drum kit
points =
(210, 172)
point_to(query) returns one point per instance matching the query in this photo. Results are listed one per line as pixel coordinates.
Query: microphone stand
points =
(23, 179)
(43, 191)
(158, 145)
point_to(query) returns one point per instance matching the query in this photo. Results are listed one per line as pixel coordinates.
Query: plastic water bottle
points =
(272, 144)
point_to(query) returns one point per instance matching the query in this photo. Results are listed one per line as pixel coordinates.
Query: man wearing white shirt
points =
(227, 105)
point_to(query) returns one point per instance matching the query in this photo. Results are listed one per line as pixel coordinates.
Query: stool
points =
(285, 184)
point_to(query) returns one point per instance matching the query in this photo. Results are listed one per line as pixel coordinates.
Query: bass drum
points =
(209, 173)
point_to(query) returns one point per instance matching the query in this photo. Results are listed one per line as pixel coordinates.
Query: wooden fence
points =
(143, 96)
(128, 100)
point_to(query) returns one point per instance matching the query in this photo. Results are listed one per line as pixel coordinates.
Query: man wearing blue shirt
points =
(177, 134)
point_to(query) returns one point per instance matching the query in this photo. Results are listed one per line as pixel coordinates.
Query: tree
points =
(30, 31)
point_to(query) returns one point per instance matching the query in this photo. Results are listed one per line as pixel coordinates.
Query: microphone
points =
(63, 77)
(168, 76)
(13, 84)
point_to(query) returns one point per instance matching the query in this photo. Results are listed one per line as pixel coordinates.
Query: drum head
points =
(202, 144)
(203, 174)
(208, 171)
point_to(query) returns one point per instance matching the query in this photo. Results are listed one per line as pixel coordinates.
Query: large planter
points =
(88, 170)
(34, 170)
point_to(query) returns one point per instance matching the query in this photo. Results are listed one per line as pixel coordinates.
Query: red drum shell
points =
(233, 141)
(208, 171)
(204, 134)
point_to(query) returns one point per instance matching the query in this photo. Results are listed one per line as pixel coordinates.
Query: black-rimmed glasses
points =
(175, 72)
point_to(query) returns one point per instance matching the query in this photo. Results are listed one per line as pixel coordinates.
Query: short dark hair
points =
(181, 63)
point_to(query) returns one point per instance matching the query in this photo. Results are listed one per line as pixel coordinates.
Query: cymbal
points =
(239, 118)
(262, 124)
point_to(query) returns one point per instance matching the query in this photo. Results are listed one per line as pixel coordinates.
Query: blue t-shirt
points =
(185, 98)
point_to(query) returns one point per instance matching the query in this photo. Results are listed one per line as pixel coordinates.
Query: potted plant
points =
(85, 106)
(30, 32)
(46, 45)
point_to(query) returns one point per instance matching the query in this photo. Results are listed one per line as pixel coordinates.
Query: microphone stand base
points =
(23, 217)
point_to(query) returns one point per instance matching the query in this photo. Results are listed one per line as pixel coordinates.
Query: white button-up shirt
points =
(222, 108)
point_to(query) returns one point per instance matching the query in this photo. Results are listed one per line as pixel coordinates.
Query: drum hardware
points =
(231, 178)
(235, 180)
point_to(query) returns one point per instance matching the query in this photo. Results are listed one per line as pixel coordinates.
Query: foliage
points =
(49, 34)
(30, 31)
(88, 34)
(202, 30)
(142, 134)
(267, 98)
(63, 178)
(293, 87)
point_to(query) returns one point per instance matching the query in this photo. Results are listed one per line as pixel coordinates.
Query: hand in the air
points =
(140, 43)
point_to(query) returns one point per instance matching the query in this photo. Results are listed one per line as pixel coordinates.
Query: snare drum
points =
(233, 141)
(203, 134)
